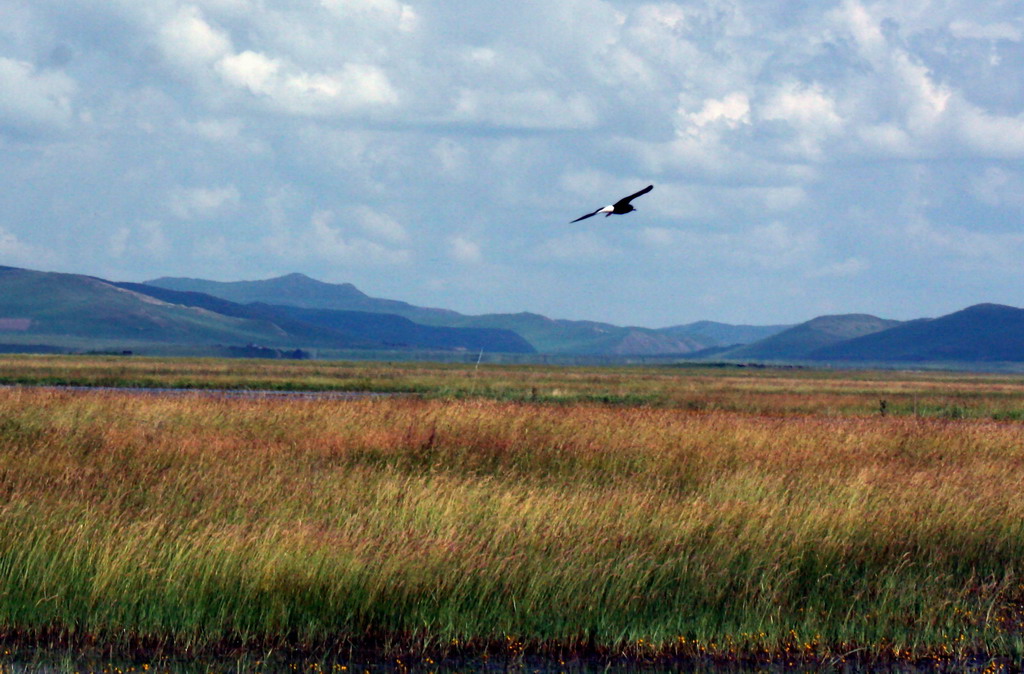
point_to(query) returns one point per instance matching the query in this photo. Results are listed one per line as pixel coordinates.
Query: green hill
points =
(983, 332)
(323, 327)
(724, 334)
(544, 334)
(299, 290)
(45, 311)
(798, 342)
(40, 308)
(34, 304)
(560, 336)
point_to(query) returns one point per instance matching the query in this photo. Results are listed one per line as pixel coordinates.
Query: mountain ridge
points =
(35, 304)
(980, 332)
(799, 341)
(37, 308)
(546, 335)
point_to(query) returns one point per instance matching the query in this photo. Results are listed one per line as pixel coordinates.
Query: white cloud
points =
(352, 87)
(809, 112)
(999, 187)
(782, 140)
(886, 139)
(1002, 30)
(462, 249)
(118, 244)
(145, 239)
(452, 157)
(730, 112)
(323, 241)
(974, 250)
(201, 202)
(32, 99)
(153, 239)
(226, 6)
(380, 225)
(851, 266)
(804, 105)
(250, 70)
(15, 251)
(991, 135)
(864, 28)
(228, 134)
(217, 129)
(206, 52)
(190, 43)
(401, 16)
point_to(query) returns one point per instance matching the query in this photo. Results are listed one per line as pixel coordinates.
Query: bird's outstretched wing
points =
(626, 200)
(584, 217)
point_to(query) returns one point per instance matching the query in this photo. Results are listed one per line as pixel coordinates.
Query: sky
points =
(807, 158)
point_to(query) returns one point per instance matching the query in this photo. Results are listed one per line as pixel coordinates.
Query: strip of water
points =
(213, 392)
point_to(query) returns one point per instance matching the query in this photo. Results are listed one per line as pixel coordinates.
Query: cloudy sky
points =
(808, 157)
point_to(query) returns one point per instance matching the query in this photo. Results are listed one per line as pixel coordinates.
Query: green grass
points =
(759, 391)
(464, 525)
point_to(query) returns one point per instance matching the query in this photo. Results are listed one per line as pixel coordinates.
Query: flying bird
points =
(619, 207)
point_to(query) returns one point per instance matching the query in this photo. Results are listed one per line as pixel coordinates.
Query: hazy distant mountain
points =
(551, 335)
(983, 332)
(724, 334)
(299, 290)
(39, 307)
(328, 327)
(546, 335)
(800, 341)
(36, 303)
(398, 331)
(41, 311)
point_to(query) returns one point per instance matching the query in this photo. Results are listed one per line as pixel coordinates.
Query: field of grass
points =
(694, 388)
(688, 515)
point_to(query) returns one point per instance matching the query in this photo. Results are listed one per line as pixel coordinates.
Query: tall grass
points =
(758, 391)
(429, 524)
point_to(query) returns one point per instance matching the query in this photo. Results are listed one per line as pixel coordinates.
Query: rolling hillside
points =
(724, 334)
(983, 332)
(34, 304)
(43, 311)
(322, 327)
(544, 334)
(299, 290)
(800, 341)
(48, 308)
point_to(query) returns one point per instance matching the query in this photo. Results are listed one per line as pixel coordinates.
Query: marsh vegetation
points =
(704, 516)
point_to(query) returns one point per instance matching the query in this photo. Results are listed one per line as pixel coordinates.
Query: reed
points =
(409, 525)
(751, 390)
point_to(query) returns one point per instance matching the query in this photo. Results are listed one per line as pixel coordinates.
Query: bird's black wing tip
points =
(584, 217)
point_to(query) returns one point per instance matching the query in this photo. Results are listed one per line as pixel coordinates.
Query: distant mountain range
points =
(723, 334)
(544, 334)
(804, 341)
(295, 315)
(981, 333)
(40, 308)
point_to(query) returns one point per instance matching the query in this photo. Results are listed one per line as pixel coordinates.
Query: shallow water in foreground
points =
(214, 392)
(60, 662)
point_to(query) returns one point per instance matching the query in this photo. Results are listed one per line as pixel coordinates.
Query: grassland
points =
(688, 515)
(695, 388)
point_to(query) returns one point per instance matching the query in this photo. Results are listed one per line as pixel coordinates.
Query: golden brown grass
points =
(759, 391)
(429, 524)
